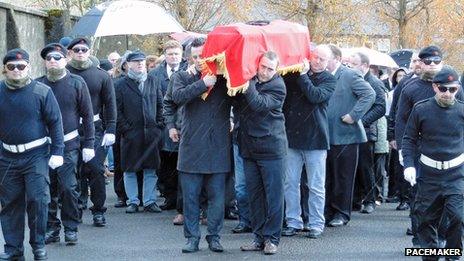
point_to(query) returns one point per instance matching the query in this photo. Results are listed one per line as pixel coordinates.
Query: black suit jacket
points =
(261, 134)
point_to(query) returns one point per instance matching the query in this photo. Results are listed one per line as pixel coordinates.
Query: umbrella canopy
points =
(126, 17)
(402, 57)
(186, 37)
(375, 57)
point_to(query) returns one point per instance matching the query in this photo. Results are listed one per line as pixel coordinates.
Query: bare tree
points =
(401, 12)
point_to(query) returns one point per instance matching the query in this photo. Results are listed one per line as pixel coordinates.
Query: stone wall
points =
(20, 27)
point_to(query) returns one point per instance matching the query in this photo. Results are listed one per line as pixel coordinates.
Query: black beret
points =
(16, 55)
(53, 47)
(430, 51)
(65, 41)
(447, 75)
(136, 56)
(79, 40)
(105, 64)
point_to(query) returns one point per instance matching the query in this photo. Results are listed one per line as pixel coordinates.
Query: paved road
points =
(144, 236)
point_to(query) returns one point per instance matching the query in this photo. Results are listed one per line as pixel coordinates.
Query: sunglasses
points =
(19, 66)
(450, 89)
(79, 49)
(55, 57)
(429, 61)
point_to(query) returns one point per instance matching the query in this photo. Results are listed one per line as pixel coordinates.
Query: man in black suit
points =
(365, 181)
(263, 145)
(169, 152)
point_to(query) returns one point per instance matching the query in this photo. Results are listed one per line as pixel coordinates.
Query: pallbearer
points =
(29, 118)
(74, 100)
(435, 130)
(104, 109)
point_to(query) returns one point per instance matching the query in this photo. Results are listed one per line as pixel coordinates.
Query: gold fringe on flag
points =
(220, 60)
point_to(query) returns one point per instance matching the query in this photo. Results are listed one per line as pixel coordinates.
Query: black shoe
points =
(99, 220)
(230, 215)
(40, 254)
(153, 207)
(120, 203)
(241, 228)
(356, 207)
(168, 205)
(52, 236)
(289, 231)
(368, 208)
(191, 246)
(314, 233)
(337, 222)
(409, 232)
(12, 257)
(402, 206)
(394, 199)
(214, 245)
(70, 237)
(132, 208)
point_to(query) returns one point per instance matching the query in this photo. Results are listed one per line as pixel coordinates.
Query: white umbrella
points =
(126, 17)
(375, 57)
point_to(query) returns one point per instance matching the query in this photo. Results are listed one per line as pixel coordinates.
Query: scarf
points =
(444, 104)
(55, 74)
(17, 84)
(138, 77)
(428, 75)
(81, 65)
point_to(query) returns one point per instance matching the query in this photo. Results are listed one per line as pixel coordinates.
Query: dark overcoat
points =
(140, 122)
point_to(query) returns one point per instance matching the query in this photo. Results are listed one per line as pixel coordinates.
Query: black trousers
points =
(93, 174)
(401, 185)
(168, 176)
(440, 194)
(381, 175)
(24, 188)
(63, 185)
(341, 169)
(365, 179)
(118, 180)
(265, 187)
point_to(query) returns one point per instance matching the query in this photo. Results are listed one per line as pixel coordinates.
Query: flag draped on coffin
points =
(234, 50)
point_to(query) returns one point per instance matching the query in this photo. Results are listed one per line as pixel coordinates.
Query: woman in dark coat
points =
(140, 121)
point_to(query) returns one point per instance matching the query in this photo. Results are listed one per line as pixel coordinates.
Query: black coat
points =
(140, 122)
(305, 110)
(377, 110)
(205, 141)
(261, 134)
(162, 81)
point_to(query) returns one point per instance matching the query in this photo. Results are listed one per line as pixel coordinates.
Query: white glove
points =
(410, 175)
(209, 80)
(305, 67)
(87, 154)
(55, 161)
(400, 158)
(108, 139)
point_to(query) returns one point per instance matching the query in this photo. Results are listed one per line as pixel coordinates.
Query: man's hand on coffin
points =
(306, 67)
(209, 80)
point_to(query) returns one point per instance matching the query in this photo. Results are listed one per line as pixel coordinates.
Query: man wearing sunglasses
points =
(435, 133)
(103, 100)
(74, 100)
(418, 89)
(29, 118)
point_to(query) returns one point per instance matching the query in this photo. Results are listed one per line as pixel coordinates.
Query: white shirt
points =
(168, 70)
(336, 68)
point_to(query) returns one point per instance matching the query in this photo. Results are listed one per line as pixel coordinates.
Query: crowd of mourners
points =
(287, 155)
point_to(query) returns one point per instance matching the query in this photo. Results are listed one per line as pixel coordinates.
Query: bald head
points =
(319, 58)
(113, 58)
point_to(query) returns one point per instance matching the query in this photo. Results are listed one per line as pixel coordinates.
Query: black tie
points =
(172, 72)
